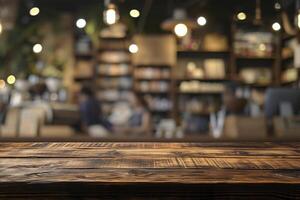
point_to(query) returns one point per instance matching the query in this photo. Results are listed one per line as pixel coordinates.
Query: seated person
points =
(91, 117)
(3, 111)
(139, 119)
(232, 103)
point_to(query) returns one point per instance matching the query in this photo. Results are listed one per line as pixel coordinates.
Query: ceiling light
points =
(181, 30)
(277, 6)
(179, 17)
(201, 21)
(241, 16)
(276, 26)
(37, 48)
(134, 13)
(11, 79)
(297, 20)
(133, 48)
(34, 11)
(2, 84)
(110, 14)
(80, 23)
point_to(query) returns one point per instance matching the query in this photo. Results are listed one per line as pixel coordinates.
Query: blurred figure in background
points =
(37, 91)
(139, 119)
(232, 103)
(3, 111)
(92, 120)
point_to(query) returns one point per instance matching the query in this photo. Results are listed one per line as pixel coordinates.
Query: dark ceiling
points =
(218, 12)
(222, 5)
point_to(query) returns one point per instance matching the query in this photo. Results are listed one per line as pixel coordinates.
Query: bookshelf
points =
(154, 74)
(84, 63)
(200, 79)
(255, 63)
(113, 72)
(176, 83)
(289, 74)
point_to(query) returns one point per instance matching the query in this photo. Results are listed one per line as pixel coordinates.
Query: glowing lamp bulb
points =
(134, 13)
(181, 30)
(201, 21)
(37, 48)
(11, 79)
(276, 26)
(34, 11)
(80, 23)
(111, 15)
(241, 16)
(298, 20)
(133, 48)
(2, 84)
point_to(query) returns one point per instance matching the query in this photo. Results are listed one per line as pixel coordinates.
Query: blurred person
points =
(139, 120)
(92, 119)
(38, 90)
(232, 103)
(3, 111)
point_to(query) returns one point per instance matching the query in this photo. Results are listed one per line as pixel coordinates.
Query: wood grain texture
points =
(161, 170)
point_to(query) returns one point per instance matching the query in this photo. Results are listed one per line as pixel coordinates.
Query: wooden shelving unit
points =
(262, 60)
(154, 74)
(158, 71)
(199, 104)
(84, 66)
(156, 90)
(287, 67)
(113, 72)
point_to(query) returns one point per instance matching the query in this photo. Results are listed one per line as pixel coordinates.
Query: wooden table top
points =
(159, 163)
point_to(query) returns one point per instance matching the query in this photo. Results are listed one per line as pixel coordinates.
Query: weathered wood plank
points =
(143, 145)
(151, 162)
(115, 153)
(157, 166)
(160, 150)
(148, 176)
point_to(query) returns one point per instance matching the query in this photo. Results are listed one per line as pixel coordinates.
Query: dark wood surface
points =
(149, 170)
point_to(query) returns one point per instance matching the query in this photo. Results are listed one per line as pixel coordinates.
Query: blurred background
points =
(192, 70)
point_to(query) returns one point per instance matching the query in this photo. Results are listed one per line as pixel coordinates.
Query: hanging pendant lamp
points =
(179, 23)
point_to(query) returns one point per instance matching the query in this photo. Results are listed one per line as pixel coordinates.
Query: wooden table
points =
(149, 170)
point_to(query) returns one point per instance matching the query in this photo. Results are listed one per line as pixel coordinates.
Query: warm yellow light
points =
(1, 28)
(2, 84)
(81, 23)
(133, 48)
(181, 30)
(37, 48)
(201, 21)
(298, 20)
(111, 15)
(276, 26)
(277, 6)
(34, 11)
(262, 47)
(11, 79)
(241, 16)
(134, 13)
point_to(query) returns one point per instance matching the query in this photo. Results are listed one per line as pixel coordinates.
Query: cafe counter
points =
(145, 170)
